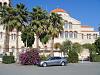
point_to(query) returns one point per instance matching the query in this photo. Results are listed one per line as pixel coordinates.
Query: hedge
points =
(8, 59)
(94, 58)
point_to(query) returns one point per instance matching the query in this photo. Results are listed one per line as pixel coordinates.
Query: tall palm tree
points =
(39, 22)
(56, 26)
(6, 20)
(20, 20)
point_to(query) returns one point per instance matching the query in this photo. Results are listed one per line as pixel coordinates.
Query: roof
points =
(87, 31)
(86, 27)
(58, 10)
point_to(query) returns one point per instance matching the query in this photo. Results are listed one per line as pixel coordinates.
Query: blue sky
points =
(86, 11)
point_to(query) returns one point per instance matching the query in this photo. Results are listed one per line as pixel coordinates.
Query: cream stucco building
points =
(73, 31)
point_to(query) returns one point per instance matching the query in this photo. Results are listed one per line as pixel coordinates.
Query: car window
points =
(58, 57)
(1, 55)
(53, 58)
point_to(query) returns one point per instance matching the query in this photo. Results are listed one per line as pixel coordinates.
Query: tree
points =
(72, 56)
(66, 46)
(39, 22)
(44, 38)
(57, 45)
(77, 48)
(97, 45)
(91, 47)
(7, 16)
(27, 36)
(20, 19)
(56, 27)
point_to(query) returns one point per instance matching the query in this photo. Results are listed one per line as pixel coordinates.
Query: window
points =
(95, 36)
(89, 36)
(71, 34)
(5, 3)
(1, 33)
(82, 36)
(13, 48)
(13, 36)
(57, 57)
(70, 25)
(62, 34)
(66, 25)
(75, 34)
(66, 34)
(0, 3)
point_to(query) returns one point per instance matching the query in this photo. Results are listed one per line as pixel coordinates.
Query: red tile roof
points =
(86, 27)
(58, 10)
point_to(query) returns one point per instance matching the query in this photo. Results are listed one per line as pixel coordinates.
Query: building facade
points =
(73, 31)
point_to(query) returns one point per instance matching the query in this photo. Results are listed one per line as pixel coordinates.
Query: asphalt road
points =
(70, 69)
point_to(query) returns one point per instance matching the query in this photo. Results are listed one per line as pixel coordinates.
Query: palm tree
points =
(39, 22)
(44, 38)
(20, 20)
(56, 26)
(6, 20)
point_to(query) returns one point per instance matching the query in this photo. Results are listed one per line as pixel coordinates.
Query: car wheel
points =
(44, 64)
(63, 64)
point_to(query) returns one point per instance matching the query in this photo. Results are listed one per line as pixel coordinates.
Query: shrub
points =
(94, 58)
(8, 59)
(30, 57)
(43, 57)
(72, 57)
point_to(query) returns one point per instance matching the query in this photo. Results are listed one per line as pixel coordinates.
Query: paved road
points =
(70, 69)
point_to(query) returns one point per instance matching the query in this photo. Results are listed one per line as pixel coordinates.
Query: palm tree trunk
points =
(17, 41)
(52, 43)
(6, 42)
(37, 42)
(17, 48)
(45, 48)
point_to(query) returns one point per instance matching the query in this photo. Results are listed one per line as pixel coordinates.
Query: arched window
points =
(12, 49)
(5, 3)
(62, 34)
(0, 3)
(70, 34)
(66, 25)
(66, 34)
(88, 36)
(75, 34)
(13, 36)
(82, 36)
(70, 25)
(95, 36)
(1, 33)
(22, 49)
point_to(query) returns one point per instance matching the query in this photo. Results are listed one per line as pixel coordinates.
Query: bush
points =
(94, 58)
(8, 59)
(43, 57)
(72, 57)
(30, 57)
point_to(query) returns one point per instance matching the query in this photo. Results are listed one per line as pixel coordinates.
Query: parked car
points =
(54, 61)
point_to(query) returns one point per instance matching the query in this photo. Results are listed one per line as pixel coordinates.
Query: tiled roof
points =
(87, 31)
(86, 27)
(58, 10)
